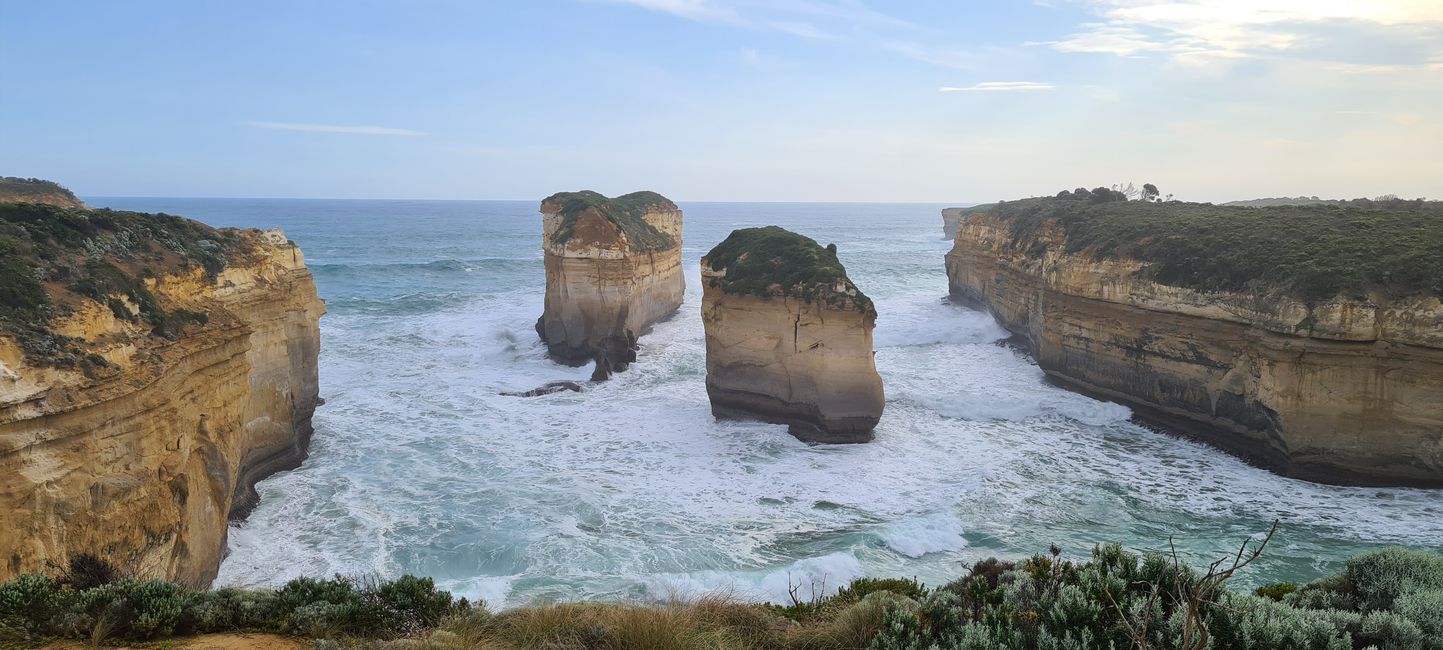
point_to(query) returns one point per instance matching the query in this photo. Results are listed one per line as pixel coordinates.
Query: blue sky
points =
(792, 100)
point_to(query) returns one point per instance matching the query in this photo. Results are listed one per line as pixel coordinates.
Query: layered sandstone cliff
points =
(1342, 389)
(789, 337)
(164, 369)
(951, 222)
(613, 269)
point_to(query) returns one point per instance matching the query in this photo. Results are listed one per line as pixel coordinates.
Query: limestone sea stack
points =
(789, 337)
(152, 369)
(1306, 338)
(613, 269)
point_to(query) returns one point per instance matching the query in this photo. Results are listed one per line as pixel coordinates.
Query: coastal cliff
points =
(789, 337)
(613, 269)
(152, 370)
(1308, 340)
(35, 190)
(951, 222)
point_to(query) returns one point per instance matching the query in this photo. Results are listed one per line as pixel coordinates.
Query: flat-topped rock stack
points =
(613, 269)
(789, 337)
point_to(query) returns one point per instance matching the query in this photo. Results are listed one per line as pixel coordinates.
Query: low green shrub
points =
(1389, 600)
(34, 607)
(1275, 591)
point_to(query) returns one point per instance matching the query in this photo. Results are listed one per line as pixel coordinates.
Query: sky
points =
(724, 100)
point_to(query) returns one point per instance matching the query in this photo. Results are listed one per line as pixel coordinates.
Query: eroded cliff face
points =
(605, 285)
(1345, 392)
(798, 355)
(951, 222)
(143, 456)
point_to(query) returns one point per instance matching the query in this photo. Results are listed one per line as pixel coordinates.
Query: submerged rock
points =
(789, 337)
(613, 269)
(547, 389)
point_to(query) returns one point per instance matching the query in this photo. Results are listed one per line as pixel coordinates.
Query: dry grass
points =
(706, 623)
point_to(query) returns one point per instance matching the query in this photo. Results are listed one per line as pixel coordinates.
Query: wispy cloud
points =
(332, 128)
(1209, 31)
(819, 20)
(999, 86)
(698, 10)
(802, 29)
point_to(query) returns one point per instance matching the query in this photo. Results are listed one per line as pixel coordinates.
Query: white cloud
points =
(332, 128)
(802, 29)
(999, 86)
(1206, 32)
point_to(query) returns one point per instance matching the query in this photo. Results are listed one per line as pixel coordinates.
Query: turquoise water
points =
(632, 490)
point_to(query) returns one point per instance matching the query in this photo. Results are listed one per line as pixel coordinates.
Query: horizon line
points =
(332, 198)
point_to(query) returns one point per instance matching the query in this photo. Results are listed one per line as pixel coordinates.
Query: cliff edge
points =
(1306, 338)
(35, 190)
(951, 222)
(152, 369)
(613, 269)
(789, 337)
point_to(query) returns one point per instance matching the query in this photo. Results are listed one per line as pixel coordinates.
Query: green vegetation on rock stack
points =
(624, 211)
(35, 190)
(1312, 253)
(773, 261)
(51, 258)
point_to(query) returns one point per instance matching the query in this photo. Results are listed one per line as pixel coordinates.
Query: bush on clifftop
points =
(1313, 253)
(53, 258)
(624, 211)
(773, 261)
(17, 189)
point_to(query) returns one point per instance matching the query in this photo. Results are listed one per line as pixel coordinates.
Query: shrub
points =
(1424, 609)
(773, 261)
(1382, 576)
(1312, 253)
(625, 212)
(861, 587)
(28, 605)
(415, 601)
(228, 609)
(86, 571)
(1275, 591)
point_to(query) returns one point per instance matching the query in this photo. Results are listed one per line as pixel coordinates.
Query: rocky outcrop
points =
(139, 406)
(789, 337)
(1339, 390)
(613, 269)
(951, 222)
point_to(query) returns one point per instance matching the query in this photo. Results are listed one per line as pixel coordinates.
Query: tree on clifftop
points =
(1149, 192)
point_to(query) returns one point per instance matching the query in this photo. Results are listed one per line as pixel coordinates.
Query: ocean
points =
(631, 490)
